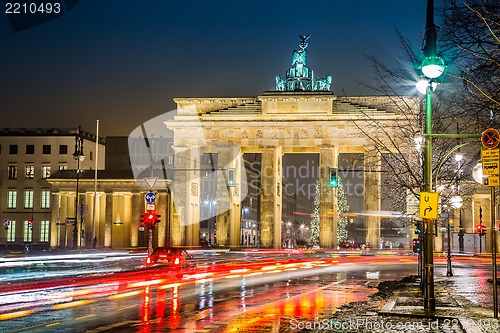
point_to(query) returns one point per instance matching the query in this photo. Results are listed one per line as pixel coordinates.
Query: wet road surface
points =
(252, 302)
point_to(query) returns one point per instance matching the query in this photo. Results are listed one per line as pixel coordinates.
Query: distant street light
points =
(477, 172)
(79, 157)
(456, 201)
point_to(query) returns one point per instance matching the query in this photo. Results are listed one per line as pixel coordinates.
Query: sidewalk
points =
(454, 312)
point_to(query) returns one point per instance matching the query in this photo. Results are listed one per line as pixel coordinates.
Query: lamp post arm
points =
(445, 157)
(453, 135)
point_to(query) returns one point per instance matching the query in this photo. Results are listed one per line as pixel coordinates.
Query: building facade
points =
(28, 157)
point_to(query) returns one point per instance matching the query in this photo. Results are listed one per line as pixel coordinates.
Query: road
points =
(245, 293)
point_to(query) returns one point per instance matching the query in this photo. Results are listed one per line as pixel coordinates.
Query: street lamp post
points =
(244, 210)
(79, 157)
(209, 202)
(449, 271)
(432, 67)
(480, 229)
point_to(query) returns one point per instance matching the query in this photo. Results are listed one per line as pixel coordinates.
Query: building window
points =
(30, 171)
(45, 171)
(27, 231)
(13, 149)
(44, 231)
(11, 232)
(63, 167)
(12, 171)
(45, 199)
(28, 198)
(91, 156)
(170, 160)
(12, 199)
(63, 149)
(47, 149)
(30, 149)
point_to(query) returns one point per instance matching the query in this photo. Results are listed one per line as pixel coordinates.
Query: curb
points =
(466, 324)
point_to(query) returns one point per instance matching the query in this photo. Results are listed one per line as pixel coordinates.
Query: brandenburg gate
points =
(301, 116)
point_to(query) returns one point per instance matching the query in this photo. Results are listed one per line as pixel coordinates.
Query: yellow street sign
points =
(428, 205)
(491, 181)
(491, 168)
(490, 154)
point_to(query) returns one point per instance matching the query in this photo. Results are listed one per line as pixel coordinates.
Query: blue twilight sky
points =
(122, 61)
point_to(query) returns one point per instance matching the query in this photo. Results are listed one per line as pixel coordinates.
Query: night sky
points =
(122, 61)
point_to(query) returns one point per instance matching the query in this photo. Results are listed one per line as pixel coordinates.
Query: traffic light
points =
(30, 224)
(150, 218)
(416, 245)
(230, 177)
(417, 229)
(481, 229)
(333, 180)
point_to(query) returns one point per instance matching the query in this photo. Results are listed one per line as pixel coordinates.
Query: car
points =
(168, 256)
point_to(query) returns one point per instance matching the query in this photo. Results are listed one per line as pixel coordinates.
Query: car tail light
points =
(148, 260)
(177, 261)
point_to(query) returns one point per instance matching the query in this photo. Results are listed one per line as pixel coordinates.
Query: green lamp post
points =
(432, 67)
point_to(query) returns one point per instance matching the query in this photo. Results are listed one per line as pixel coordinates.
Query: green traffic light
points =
(334, 180)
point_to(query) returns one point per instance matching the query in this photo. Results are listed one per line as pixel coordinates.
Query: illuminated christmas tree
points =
(314, 239)
(342, 207)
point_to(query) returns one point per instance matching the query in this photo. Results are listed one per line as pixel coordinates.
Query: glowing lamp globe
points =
(422, 86)
(433, 67)
(477, 172)
(456, 201)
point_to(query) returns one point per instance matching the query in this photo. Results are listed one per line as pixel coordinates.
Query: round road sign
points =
(150, 197)
(490, 138)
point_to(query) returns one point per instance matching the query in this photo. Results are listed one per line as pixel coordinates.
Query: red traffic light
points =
(30, 222)
(481, 229)
(149, 219)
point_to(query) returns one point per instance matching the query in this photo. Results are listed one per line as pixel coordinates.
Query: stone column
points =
(186, 194)
(224, 199)
(89, 216)
(328, 198)
(161, 227)
(98, 218)
(108, 219)
(127, 218)
(55, 229)
(372, 166)
(88, 203)
(135, 218)
(63, 214)
(271, 197)
(101, 226)
(169, 218)
(240, 191)
(438, 238)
